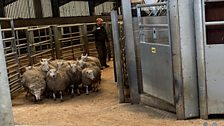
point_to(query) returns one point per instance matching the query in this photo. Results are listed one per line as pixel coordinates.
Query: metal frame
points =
(117, 52)
(130, 52)
(157, 102)
(200, 38)
(6, 116)
(184, 58)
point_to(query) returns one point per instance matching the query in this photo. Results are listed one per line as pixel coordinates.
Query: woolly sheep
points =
(33, 80)
(84, 64)
(87, 58)
(57, 81)
(91, 76)
(75, 74)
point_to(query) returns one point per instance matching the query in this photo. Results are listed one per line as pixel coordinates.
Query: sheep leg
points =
(87, 90)
(72, 93)
(54, 96)
(78, 92)
(61, 96)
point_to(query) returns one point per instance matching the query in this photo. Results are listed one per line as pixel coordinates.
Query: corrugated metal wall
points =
(46, 8)
(20, 9)
(104, 8)
(25, 9)
(75, 8)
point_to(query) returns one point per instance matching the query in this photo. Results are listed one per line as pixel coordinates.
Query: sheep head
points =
(44, 65)
(90, 74)
(52, 73)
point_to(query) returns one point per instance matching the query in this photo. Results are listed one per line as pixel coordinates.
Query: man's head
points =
(99, 21)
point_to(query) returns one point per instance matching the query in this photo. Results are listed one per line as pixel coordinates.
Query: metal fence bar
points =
(117, 51)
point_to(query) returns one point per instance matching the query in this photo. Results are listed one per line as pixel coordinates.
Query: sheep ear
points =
(28, 68)
(86, 55)
(49, 59)
(69, 64)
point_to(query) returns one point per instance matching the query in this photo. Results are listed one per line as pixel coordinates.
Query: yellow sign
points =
(153, 49)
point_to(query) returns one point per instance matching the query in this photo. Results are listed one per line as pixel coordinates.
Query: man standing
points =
(100, 38)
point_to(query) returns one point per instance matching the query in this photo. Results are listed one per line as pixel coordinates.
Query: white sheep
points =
(75, 74)
(91, 76)
(84, 64)
(33, 80)
(87, 58)
(57, 81)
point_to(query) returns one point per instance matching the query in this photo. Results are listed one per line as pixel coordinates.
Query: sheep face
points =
(80, 63)
(37, 94)
(73, 67)
(52, 73)
(60, 64)
(89, 74)
(44, 65)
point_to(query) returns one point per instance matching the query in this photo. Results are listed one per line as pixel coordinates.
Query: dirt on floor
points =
(96, 109)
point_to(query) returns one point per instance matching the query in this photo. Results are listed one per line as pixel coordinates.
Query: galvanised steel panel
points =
(157, 74)
(214, 61)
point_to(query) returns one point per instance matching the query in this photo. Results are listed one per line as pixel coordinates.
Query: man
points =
(100, 38)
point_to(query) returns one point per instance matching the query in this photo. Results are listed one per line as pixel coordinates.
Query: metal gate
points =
(210, 49)
(156, 53)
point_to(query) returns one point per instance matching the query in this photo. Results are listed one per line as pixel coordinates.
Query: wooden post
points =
(2, 12)
(91, 4)
(57, 36)
(38, 8)
(84, 38)
(31, 48)
(51, 41)
(6, 116)
(55, 8)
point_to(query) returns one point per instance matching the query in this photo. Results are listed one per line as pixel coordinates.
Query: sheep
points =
(75, 74)
(84, 64)
(91, 76)
(87, 58)
(33, 80)
(57, 81)
(62, 63)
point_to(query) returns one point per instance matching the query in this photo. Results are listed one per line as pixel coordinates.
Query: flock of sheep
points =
(54, 78)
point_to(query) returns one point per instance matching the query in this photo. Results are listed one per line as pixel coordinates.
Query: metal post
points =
(117, 53)
(130, 52)
(6, 116)
(200, 39)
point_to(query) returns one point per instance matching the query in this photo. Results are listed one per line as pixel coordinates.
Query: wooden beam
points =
(37, 8)
(91, 4)
(55, 8)
(2, 12)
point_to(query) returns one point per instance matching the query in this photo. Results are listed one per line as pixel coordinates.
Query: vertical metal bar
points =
(141, 32)
(130, 52)
(6, 116)
(117, 52)
(200, 41)
(177, 59)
